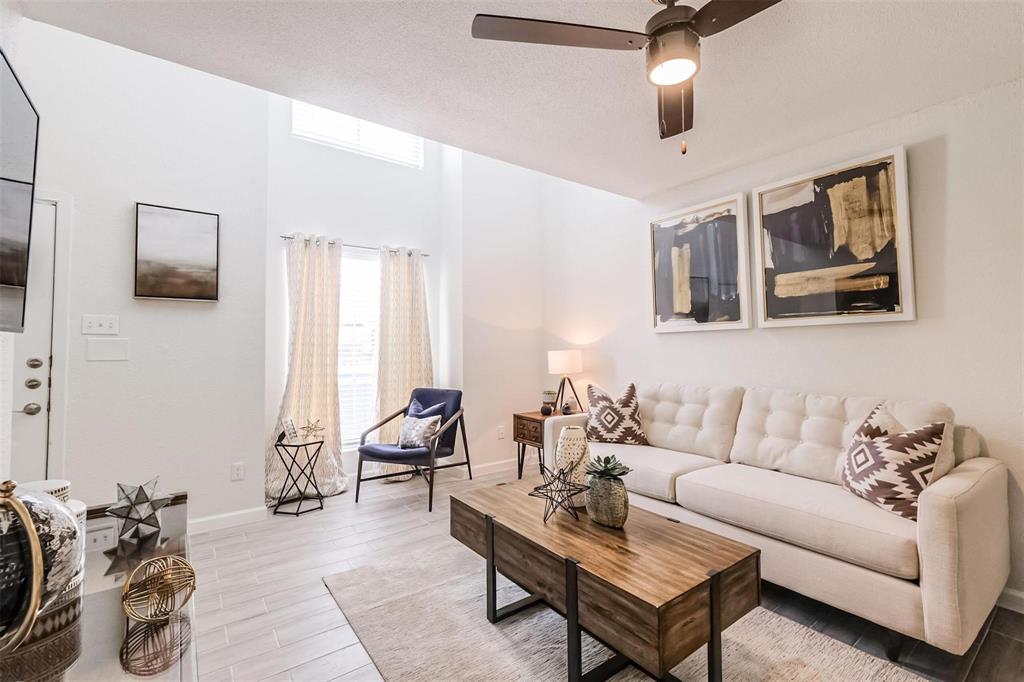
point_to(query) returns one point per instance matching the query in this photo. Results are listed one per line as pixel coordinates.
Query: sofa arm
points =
(963, 538)
(553, 427)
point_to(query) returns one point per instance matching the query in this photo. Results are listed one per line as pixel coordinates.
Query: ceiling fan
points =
(671, 38)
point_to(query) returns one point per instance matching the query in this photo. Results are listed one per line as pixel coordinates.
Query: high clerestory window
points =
(352, 134)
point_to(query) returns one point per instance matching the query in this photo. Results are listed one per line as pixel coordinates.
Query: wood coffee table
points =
(653, 592)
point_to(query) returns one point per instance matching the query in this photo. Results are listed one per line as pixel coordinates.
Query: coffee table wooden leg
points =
(495, 614)
(715, 637)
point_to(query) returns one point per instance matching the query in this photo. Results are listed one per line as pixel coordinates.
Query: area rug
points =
(421, 617)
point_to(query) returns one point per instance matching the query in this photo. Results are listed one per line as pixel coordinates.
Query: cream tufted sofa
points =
(762, 466)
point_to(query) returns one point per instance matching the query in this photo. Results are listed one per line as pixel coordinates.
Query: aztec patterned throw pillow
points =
(891, 469)
(614, 421)
(415, 432)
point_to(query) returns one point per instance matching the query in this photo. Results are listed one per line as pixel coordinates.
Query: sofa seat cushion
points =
(654, 469)
(812, 514)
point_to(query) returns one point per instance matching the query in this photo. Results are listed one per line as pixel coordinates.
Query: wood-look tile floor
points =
(263, 612)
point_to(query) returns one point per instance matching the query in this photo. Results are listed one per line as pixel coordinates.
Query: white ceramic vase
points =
(573, 453)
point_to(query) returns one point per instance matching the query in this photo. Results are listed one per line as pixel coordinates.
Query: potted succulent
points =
(607, 502)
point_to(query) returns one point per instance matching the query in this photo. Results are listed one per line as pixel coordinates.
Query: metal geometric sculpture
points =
(312, 429)
(158, 588)
(557, 492)
(138, 507)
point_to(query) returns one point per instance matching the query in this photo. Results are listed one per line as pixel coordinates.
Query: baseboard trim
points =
(203, 524)
(1012, 599)
(508, 465)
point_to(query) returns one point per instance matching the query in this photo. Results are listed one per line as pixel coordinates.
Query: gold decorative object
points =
(157, 588)
(10, 641)
(312, 429)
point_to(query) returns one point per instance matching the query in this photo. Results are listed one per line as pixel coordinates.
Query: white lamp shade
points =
(564, 362)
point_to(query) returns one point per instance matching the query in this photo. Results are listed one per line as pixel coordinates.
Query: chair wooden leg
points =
(465, 445)
(359, 476)
(430, 483)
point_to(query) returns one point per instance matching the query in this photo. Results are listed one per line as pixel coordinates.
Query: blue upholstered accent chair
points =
(424, 402)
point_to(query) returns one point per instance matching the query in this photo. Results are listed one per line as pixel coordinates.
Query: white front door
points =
(25, 362)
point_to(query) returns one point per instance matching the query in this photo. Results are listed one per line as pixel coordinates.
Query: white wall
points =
(503, 301)
(119, 127)
(316, 189)
(480, 220)
(965, 349)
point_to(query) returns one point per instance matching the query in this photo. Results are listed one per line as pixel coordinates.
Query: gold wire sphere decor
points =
(158, 588)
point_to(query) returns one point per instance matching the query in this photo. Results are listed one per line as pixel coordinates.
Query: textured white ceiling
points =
(798, 72)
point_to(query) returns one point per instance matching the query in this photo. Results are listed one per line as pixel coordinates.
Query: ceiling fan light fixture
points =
(672, 71)
(673, 57)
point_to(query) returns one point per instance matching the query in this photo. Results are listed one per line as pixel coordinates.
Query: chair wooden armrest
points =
(444, 427)
(382, 422)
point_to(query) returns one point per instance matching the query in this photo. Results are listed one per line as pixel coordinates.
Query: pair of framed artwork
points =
(830, 247)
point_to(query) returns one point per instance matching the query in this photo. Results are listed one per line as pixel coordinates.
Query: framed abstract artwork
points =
(699, 268)
(833, 246)
(176, 253)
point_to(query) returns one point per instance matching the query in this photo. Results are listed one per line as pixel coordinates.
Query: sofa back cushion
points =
(696, 419)
(806, 434)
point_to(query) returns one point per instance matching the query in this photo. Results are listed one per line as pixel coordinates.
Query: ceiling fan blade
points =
(718, 15)
(675, 108)
(519, 30)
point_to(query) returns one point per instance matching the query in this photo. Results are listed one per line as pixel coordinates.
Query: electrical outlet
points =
(237, 471)
(101, 538)
(101, 324)
(501, 433)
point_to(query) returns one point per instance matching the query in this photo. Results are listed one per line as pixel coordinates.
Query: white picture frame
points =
(737, 204)
(904, 261)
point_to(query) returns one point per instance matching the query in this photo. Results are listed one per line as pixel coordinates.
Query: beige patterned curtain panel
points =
(405, 361)
(311, 392)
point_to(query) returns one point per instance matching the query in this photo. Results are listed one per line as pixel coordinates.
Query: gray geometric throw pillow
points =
(891, 469)
(415, 432)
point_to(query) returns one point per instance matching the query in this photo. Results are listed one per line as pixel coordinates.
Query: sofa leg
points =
(893, 645)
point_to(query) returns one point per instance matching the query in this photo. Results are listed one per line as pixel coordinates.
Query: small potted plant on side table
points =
(607, 501)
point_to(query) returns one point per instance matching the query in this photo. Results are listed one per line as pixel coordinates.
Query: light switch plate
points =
(100, 324)
(106, 350)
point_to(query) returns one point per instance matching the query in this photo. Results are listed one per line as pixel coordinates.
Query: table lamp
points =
(564, 363)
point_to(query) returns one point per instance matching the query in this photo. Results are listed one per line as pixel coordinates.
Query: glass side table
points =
(101, 643)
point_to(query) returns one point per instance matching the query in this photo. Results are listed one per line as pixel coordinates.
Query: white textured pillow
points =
(415, 432)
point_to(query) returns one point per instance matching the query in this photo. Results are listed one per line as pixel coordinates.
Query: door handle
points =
(34, 363)
(30, 409)
(33, 383)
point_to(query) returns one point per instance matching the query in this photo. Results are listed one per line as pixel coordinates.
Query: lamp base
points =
(562, 393)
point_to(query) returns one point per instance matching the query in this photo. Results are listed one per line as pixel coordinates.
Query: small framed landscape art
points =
(833, 246)
(699, 268)
(176, 253)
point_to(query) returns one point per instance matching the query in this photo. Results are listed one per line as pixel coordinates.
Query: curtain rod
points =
(332, 242)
